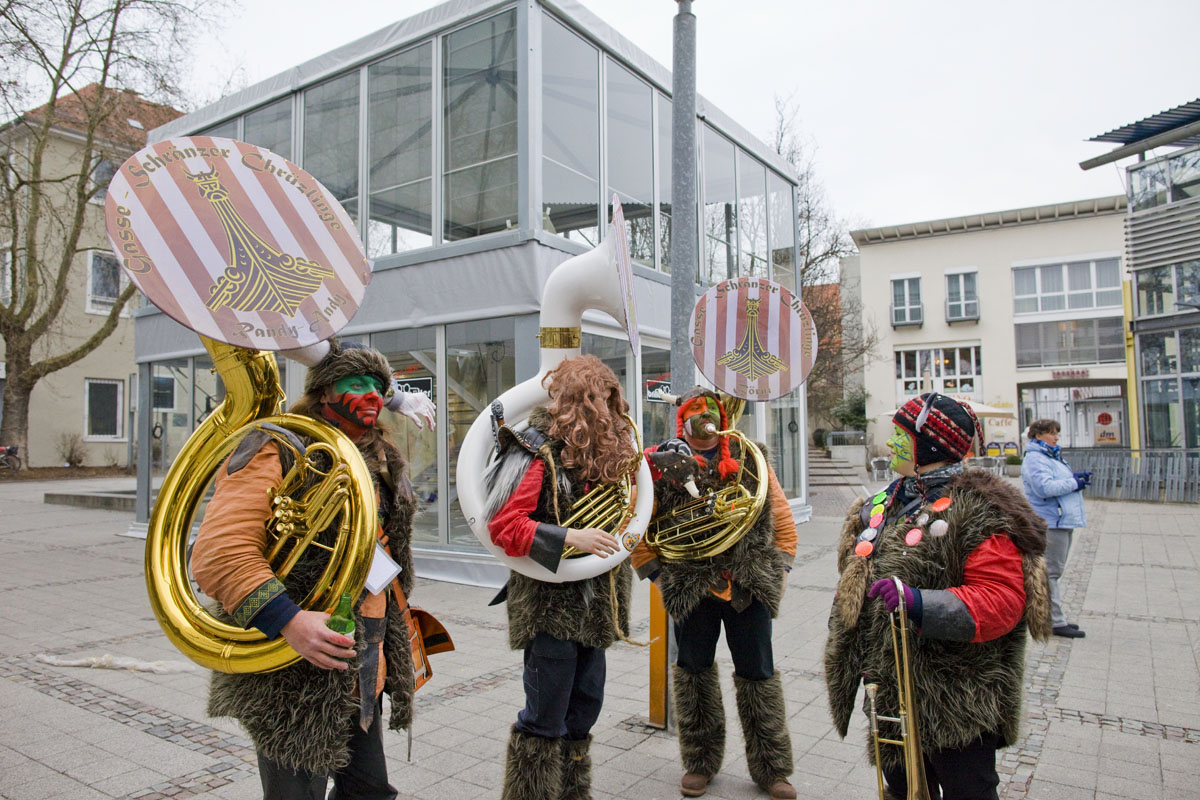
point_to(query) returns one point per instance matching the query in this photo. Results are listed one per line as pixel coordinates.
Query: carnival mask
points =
(901, 445)
(357, 399)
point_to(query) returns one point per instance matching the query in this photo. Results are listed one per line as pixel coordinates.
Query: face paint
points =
(901, 445)
(697, 413)
(355, 399)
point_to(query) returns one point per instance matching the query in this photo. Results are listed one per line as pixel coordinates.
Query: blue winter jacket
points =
(1050, 486)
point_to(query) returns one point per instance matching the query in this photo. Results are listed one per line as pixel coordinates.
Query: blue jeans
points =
(564, 688)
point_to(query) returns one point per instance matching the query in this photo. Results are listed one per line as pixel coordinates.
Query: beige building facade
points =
(1018, 310)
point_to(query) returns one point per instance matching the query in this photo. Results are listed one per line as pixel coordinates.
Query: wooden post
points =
(660, 631)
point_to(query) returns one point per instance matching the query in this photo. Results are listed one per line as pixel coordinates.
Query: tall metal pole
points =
(683, 196)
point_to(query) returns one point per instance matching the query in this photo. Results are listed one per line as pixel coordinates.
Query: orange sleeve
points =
(785, 523)
(229, 556)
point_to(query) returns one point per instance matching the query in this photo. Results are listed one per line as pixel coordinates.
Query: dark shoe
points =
(693, 785)
(781, 790)
(1072, 625)
(1069, 632)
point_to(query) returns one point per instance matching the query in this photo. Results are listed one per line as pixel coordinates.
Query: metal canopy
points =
(1153, 125)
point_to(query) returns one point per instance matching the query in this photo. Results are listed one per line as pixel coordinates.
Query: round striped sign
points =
(753, 338)
(236, 242)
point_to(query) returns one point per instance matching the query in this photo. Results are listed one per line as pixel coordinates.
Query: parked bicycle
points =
(9, 460)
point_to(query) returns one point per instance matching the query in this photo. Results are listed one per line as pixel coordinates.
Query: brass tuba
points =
(906, 717)
(344, 488)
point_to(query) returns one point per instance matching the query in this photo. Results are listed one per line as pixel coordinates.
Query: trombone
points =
(910, 733)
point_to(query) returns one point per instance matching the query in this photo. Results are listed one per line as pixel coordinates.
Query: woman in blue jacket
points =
(1056, 494)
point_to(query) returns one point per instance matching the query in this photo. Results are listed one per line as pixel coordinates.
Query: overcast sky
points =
(916, 109)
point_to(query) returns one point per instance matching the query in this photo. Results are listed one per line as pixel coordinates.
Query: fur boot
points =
(533, 769)
(577, 769)
(701, 716)
(764, 726)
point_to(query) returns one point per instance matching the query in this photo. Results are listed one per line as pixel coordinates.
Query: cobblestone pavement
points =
(1114, 715)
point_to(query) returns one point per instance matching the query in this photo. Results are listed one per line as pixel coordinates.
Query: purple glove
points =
(1082, 480)
(885, 589)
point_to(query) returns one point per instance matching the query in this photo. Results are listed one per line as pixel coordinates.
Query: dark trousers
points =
(564, 688)
(967, 774)
(748, 635)
(364, 778)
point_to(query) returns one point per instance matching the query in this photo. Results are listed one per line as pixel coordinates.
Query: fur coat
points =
(576, 611)
(755, 562)
(300, 716)
(964, 689)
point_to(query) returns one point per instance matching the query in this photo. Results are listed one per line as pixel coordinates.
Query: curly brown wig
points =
(587, 410)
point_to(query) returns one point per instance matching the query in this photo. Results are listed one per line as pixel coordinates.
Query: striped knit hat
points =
(943, 429)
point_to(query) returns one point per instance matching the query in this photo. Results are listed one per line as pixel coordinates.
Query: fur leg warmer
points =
(533, 769)
(577, 769)
(701, 716)
(764, 726)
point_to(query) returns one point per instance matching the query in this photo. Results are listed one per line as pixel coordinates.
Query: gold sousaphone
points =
(289, 285)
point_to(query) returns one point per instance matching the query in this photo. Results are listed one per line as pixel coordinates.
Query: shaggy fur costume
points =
(964, 689)
(576, 611)
(701, 716)
(533, 769)
(299, 716)
(347, 359)
(764, 725)
(754, 562)
(577, 769)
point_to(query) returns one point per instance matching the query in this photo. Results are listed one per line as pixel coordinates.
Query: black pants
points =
(967, 774)
(748, 635)
(364, 778)
(564, 688)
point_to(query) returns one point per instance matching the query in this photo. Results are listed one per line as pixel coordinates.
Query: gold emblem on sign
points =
(259, 277)
(750, 359)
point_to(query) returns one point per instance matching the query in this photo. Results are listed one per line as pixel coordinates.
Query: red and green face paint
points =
(697, 412)
(356, 399)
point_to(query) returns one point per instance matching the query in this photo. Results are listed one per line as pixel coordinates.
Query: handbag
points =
(426, 637)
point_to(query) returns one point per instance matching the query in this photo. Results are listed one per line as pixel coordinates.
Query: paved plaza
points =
(1114, 715)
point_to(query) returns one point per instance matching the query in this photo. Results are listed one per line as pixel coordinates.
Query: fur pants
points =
(533, 769)
(764, 726)
(701, 716)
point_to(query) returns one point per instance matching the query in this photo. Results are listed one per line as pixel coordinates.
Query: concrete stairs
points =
(826, 471)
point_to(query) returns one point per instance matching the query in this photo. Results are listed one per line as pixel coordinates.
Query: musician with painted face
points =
(579, 441)
(739, 589)
(319, 717)
(968, 550)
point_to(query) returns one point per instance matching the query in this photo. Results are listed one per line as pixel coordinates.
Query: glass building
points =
(476, 146)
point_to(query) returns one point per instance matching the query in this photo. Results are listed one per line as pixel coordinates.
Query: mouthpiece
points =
(709, 429)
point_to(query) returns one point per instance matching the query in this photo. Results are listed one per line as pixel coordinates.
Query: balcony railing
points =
(907, 315)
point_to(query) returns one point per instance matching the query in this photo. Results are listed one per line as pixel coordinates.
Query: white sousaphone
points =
(599, 279)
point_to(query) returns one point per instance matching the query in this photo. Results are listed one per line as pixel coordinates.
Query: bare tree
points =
(85, 62)
(844, 339)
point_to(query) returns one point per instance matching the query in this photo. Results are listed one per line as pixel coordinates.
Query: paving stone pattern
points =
(1114, 715)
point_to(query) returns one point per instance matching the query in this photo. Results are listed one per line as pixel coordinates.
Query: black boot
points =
(701, 717)
(764, 726)
(533, 769)
(577, 769)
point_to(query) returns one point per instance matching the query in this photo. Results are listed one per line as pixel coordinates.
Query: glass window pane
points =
(1081, 300)
(1155, 291)
(914, 291)
(1189, 350)
(480, 95)
(1163, 415)
(105, 280)
(898, 296)
(720, 209)
(413, 356)
(663, 161)
(331, 138)
(1187, 279)
(227, 129)
(954, 288)
(1029, 348)
(1025, 281)
(968, 281)
(1185, 176)
(1054, 302)
(1028, 305)
(1110, 339)
(658, 419)
(630, 162)
(1079, 276)
(1052, 278)
(1159, 353)
(480, 364)
(270, 127)
(400, 180)
(1108, 273)
(570, 135)
(1191, 411)
(1148, 186)
(783, 426)
(103, 408)
(910, 364)
(783, 231)
(752, 216)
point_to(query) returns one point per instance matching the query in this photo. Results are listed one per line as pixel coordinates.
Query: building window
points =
(950, 370)
(752, 217)
(1068, 342)
(331, 138)
(1170, 373)
(1158, 288)
(1073, 286)
(105, 282)
(630, 162)
(102, 175)
(400, 147)
(1167, 180)
(480, 127)
(662, 151)
(906, 301)
(720, 208)
(962, 302)
(270, 127)
(783, 232)
(102, 408)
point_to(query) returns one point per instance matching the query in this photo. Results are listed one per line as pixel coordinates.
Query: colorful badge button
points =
(923, 520)
(864, 549)
(879, 498)
(939, 527)
(877, 509)
(941, 504)
(913, 537)
(868, 535)
(876, 520)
